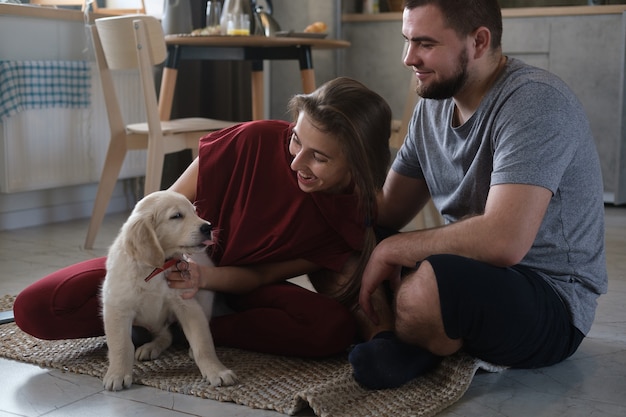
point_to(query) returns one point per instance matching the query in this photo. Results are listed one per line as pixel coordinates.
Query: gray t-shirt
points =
(529, 129)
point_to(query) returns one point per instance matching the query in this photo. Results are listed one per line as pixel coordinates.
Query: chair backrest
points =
(117, 36)
(114, 113)
(129, 42)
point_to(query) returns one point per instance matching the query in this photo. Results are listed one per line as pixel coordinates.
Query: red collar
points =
(157, 270)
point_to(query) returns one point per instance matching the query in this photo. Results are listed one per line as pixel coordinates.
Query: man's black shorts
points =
(506, 316)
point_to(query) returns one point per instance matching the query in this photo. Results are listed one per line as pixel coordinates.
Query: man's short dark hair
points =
(465, 16)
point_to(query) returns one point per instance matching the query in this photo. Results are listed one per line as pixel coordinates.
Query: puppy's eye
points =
(177, 216)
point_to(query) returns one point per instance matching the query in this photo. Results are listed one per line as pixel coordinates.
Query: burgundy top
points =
(248, 191)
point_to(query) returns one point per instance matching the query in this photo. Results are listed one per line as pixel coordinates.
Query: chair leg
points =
(110, 173)
(154, 166)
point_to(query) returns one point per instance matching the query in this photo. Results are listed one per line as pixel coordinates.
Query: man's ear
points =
(482, 41)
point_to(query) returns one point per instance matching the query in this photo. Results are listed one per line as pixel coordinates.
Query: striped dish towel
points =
(40, 84)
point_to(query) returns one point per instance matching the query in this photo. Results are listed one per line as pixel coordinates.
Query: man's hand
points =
(378, 270)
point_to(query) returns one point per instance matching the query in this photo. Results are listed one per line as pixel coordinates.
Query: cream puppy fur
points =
(162, 226)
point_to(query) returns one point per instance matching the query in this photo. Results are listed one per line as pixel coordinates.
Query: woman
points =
(286, 200)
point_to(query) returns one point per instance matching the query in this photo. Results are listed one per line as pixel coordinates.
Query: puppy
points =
(163, 226)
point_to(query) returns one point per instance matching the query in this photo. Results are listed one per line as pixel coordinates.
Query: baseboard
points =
(59, 213)
(36, 208)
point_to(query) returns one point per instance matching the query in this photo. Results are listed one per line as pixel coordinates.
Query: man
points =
(507, 155)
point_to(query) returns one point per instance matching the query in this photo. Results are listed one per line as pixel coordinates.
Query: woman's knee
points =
(31, 313)
(64, 304)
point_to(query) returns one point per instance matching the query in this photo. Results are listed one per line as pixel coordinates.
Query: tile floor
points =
(592, 382)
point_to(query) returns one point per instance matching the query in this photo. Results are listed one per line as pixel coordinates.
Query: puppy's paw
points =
(117, 382)
(148, 352)
(223, 377)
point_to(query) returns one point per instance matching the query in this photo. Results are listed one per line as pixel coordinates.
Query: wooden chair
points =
(137, 42)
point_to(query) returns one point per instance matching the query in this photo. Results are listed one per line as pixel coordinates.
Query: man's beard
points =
(449, 87)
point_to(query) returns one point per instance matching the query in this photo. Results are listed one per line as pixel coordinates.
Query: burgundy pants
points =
(282, 318)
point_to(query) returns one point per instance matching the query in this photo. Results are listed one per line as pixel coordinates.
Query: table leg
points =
(257, 95)
(308, 80)
(166, 94)
(306, 69)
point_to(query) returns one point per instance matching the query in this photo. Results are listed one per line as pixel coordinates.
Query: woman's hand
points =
(186, 276)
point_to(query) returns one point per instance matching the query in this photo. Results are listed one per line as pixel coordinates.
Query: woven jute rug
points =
(283, 384)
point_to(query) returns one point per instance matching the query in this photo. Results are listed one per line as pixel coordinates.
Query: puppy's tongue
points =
(208, 242)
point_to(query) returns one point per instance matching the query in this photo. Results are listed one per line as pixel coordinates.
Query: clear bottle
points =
(235, 14)
(213, 16)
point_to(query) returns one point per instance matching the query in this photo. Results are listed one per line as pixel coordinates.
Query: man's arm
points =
(400, 200)
(500, 236)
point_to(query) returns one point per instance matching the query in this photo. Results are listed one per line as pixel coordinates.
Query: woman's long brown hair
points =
(360, 120)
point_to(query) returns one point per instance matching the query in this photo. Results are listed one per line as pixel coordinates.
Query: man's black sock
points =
(140, 336)
(386, 362)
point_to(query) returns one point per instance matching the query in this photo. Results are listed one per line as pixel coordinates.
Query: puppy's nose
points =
(206, 229)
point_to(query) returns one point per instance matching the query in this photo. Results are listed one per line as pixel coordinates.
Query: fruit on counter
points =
(207, 31)
(317, 27)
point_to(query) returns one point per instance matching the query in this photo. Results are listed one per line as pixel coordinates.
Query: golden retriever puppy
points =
(162, 229)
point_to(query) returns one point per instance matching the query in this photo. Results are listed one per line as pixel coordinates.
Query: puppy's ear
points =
(142, 242)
